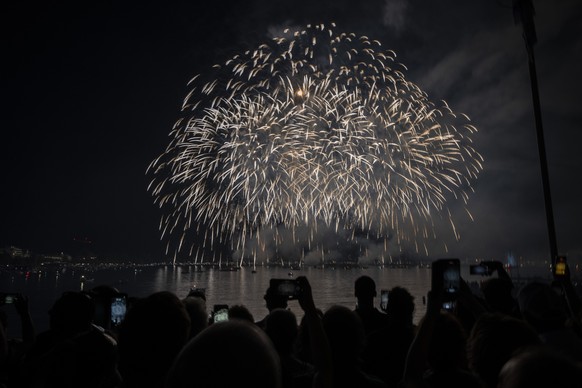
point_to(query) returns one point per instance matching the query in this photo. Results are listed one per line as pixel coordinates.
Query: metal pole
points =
(543, 159)
(523, 10)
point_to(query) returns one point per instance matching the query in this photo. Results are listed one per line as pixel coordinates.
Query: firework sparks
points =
(310, 129)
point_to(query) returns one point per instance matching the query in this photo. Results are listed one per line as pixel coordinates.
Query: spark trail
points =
(313, 128)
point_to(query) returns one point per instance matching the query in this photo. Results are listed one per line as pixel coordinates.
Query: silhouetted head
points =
(448, 344)
(400, 305)
(102, 296)
(497, 294)
(238, 311)
(196, 309)
(198, 293)
(274, 300)
(346, 335)
(540, 367)
(365, 288)
(492, 342)
(303, 343)
(227, 354)
(542, 307)
(281, 327)
(83, 356)
(72, 313)
(104, 290)
(154, 331)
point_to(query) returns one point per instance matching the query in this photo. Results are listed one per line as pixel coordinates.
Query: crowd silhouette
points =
(505, 336)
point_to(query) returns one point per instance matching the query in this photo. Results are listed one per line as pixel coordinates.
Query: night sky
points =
(91, 91)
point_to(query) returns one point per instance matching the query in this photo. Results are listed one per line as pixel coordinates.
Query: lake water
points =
(330, 286)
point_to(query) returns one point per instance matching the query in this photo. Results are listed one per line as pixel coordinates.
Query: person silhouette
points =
(227, 354)
(73, 352)
(346, 336)
(154, 331)
(494, 339)
(273, 301)
(365, 292)
(282, 329)
(547, 312)
(386, 348)
(196, 308)
(540, 367)
(239, 311)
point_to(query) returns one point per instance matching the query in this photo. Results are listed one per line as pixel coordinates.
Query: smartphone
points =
(288, 288)
(9, 298)
(560, 266)
(446, 279)
(118, 309)
(220, 313)
(384, 299)
(479, 269)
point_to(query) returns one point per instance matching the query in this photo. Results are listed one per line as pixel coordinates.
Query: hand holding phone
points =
(287, 288)
(446, 281)
(305, 296)
(118, 309)
(493, 266)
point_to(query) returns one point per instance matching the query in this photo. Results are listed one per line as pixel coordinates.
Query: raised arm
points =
(318, 341)
(417, 358)
(469, 300)
(3, 344)
(28, 333)
(572, 299)
(497, 266)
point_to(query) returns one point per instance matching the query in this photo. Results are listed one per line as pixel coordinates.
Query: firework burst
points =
(313, 128)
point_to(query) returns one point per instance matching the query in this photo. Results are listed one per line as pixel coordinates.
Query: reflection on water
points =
(330, 286)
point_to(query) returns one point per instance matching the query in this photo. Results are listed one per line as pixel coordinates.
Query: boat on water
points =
(229, 268)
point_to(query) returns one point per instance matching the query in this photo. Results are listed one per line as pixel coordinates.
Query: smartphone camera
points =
(220, 313)
(288, 288)
(384, 299)
(479, 269)
(118, 309)
(446, 280)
